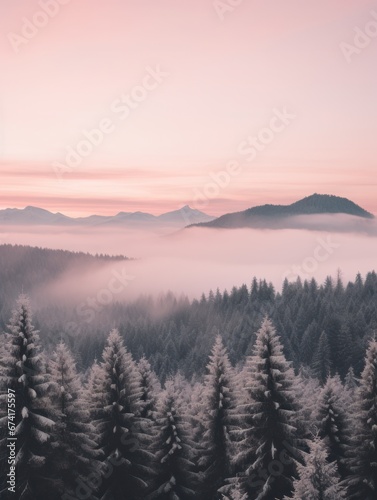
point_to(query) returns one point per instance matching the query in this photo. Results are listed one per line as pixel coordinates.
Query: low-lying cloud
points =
(196, 260)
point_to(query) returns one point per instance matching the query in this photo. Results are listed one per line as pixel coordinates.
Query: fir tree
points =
(333, 423)
(350, 382)
(318, 479)
(219, 416)
(74, 448)
(24, 373)
(322, 361)
(235, 492)
(150, 387)
(271, 436)
(176, 477)
(363, 460)
(93, 394)
(121, 438)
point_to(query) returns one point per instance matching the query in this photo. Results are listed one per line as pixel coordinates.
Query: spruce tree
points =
(176, 473)
(363, 457)
(74, 448)
(334, 424)
(350, 381)
(271, 437)
(121, 437)
(150, 387)
(24, 373)
(219, 417)
(322, 360)
(235, 492)
(318, 479)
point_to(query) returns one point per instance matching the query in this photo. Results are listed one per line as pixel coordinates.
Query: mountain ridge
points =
(267, 215)
(34, 215)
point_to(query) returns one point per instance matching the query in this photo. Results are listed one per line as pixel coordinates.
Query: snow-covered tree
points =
(24, 372)
(150, 387)
(333, 423)
(176, 475)
(195, 412)
(322, 359)
(318, 479)
(350, 381)
(121, 438)
(308, 392)
(93, 394)
(219, 416)
(363, 461)
(74, 448)
(234, 492)
(270, 442)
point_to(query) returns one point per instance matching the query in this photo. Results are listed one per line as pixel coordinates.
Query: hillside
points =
(272, 215)
(24, 268)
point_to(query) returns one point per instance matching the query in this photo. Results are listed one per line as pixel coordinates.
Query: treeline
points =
(26, 268)
(114, 433)
(323, 327)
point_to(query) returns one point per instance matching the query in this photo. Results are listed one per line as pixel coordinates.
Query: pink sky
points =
(224, 80)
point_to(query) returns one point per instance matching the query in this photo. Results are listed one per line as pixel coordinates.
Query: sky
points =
(150, 105)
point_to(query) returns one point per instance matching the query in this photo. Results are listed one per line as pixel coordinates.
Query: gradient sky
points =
(225, 78)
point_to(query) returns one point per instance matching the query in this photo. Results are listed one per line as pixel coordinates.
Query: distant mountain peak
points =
(31, 215)
(273, 215)
(30, 208)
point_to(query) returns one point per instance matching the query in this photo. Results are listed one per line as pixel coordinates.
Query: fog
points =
(196, 260)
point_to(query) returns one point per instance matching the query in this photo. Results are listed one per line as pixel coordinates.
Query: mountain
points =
(186, 215)
(275, 216)
(38, 216)
(31, 215)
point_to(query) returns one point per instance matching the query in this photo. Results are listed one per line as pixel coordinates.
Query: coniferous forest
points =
(247, 394)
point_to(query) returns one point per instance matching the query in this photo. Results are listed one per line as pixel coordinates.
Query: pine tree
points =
(235, 492)
(350, 381)
(363, 460)
(271, 437)
(121, 437)
(333, 423)
(24, 373)
(94, 397)
(74, 448)
(322, 360)
(176, 475)
(309, 342)
(219, 416)
(150, 387)
(318, 479)
(308, 392)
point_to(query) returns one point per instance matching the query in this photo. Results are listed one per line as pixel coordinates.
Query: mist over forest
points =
(203, 358)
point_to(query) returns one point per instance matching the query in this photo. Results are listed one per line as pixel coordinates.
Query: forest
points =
(247, 394)
(323, 328)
